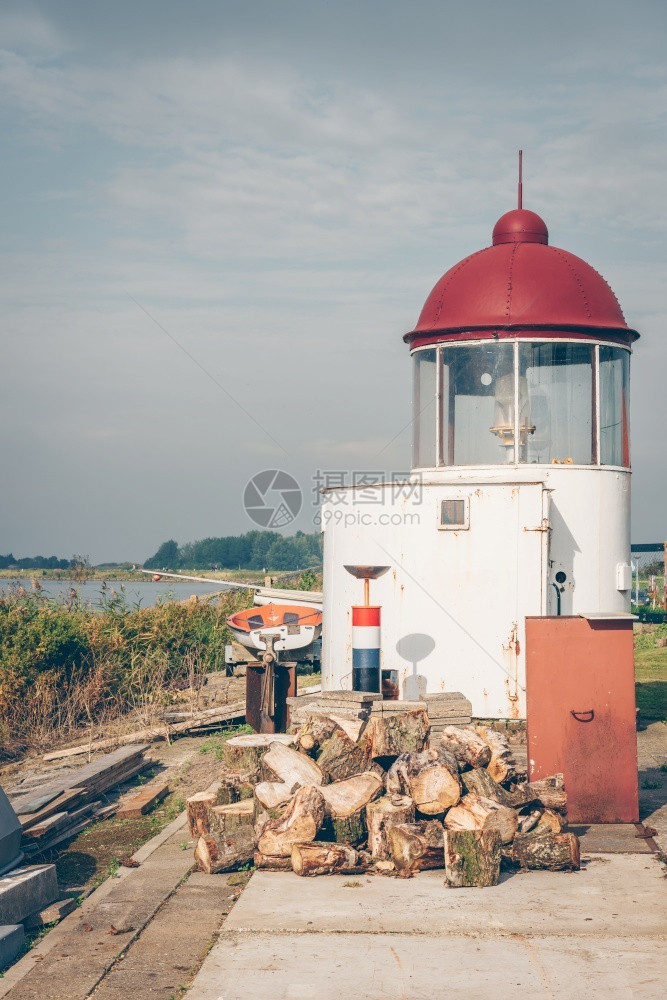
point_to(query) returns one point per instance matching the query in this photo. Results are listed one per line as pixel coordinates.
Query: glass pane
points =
(453, 513)
(424, 409)
(556, 403)
(478, 404)
(614, 406)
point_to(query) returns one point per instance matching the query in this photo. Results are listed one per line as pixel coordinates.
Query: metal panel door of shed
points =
(581, 717)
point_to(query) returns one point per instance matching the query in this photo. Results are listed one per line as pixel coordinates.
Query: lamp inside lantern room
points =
(503, 414)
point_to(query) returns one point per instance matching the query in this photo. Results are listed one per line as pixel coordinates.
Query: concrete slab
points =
(173, 944)
(27, 890)
(405, 967)
(618, 894)
(587, 935)
(611, 838)
(94, 936)
(12, 940)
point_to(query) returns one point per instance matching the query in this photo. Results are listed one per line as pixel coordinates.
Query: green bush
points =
(64, 659)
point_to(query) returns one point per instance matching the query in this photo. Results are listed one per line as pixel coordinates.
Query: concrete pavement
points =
(588, 935)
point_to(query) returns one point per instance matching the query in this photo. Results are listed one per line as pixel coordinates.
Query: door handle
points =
(583, 716)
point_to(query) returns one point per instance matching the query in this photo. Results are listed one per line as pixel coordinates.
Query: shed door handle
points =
(583, 716)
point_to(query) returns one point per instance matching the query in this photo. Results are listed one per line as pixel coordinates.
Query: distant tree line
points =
(256, 550)
(35, 562)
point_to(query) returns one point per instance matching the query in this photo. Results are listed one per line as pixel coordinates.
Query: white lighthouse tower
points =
(519, 499)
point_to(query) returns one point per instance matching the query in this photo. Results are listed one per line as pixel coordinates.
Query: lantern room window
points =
(556, 382)
(614, 406)
(517, 401)
(425, 417)
(478, 404)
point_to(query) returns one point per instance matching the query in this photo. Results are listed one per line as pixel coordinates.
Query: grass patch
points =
(651, 675)
(215, 742)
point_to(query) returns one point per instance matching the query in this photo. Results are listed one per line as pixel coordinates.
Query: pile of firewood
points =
(378, 797)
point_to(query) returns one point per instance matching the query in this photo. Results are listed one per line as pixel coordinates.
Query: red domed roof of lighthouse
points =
(520, 286)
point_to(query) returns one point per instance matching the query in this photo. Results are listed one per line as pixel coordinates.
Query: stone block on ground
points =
(27, 890)
(448, 705)
(12, 941)
(386, 707)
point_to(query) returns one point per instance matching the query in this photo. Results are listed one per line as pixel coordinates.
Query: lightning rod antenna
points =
(520, 178)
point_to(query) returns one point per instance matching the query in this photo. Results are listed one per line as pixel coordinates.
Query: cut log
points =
(417, 846)
(236, 785)
(552, 821)
(476, 813)
(529, 822)
(430, 778)
(345, 806)
(227, 819)
(281, 763)
(273, 794)
(502, 766)
(550, 792)
(467, 746)
(315, 730)
(340, 758)
(391, 735)
(198, 808)
(321, 858)
(272, 864)
(546, 851)
(300, 824)
(472, 858)
(244, 753)
(215, 854)
(481, 782)
(381, 815)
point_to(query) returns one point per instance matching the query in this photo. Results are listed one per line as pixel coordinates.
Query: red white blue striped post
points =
(366, 647)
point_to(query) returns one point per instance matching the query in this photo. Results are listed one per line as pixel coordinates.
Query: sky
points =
(219, 218)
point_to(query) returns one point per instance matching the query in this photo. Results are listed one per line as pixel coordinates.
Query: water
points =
(142, 593)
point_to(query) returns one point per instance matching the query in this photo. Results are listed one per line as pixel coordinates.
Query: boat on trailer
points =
(294, 626)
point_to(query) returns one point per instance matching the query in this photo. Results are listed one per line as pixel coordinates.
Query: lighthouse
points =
(518, 502)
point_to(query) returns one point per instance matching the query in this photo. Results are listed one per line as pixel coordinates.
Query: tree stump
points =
(546, 851)
(244, 753)
(467, 746)
(476, 813)
(472, 858)
(282, 763)
(391, 735)
(321, 858)
(301, 822)
(345, 806)
(430, 778)
(197, 809)
(417, 846)
(381, 815)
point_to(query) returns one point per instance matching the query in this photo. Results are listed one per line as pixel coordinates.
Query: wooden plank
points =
(141, 802)
(83, 777)
(69, 798)
(221, 713)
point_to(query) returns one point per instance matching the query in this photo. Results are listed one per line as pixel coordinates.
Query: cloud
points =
(283, 208)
